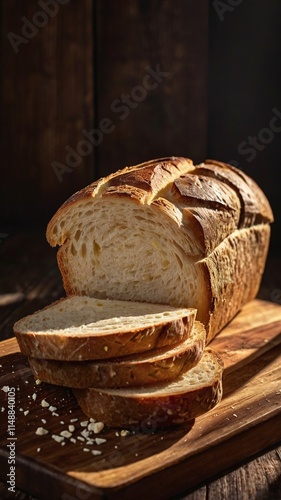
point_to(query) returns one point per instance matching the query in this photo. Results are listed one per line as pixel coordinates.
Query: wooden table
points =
(30, 279)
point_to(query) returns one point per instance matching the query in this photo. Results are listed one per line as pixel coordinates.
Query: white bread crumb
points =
(66, 434)
(40, 431)
(58, 439)
(52, 408)
(96, 427)
(100, 440)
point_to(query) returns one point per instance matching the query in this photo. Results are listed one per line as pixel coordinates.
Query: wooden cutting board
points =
(139, 465)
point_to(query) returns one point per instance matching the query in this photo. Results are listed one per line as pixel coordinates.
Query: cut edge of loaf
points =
(135, 233)
(150, 367)
(193, 393)
(173, 326)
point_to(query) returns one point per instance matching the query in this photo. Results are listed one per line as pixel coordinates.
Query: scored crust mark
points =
(153, 175)
(255, 207)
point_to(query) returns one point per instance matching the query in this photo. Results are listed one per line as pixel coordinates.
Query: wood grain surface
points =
(246, 421)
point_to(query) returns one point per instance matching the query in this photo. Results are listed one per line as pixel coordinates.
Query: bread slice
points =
(156, 365)
(167, 232)
(194, 392)
(83, 328)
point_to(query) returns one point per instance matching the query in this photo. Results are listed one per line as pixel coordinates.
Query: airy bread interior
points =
(76, 315)
(123, 250)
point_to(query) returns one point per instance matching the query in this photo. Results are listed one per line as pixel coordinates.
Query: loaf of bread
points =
(167, 232)
(150, 367)
(83, 328)
(195, 391)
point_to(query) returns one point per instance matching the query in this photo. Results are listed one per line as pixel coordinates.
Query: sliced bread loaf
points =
(167, 232)
(150, 367)
(83, 328)
(194, 392)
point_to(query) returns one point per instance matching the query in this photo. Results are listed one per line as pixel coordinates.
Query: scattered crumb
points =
(34, 396)
(96, 427)
(44, 403)
(43, 420)
(96, 452)
(52, 408)
(66, 434)
(5, 388)
(40, 431)
(106, 348)
(86, 449)
(73, 440)
(62, 422)
(85, 433)
(38, 381)
(80, 438)
(26, 412)
(2, 409)
(234, 414)
(38, 449)
(100, 440)
(117, 434)
(71, 428)
(124, 433)
(57, 438)
(84, 423)
(74, 420)
(54, 414)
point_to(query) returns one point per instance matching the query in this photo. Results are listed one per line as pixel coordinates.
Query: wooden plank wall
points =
(128, 75)
(46, 99)
(97, 85)
(152, 63)
(244, 85)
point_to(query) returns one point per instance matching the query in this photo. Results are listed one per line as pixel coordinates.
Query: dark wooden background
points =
(219, 81)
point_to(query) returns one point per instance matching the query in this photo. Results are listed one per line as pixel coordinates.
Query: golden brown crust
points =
(161, 409)
(234, 270)
(147, 178)
(86, 346)
(255, 207)
(158, 365)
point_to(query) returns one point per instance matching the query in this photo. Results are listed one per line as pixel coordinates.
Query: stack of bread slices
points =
(130, 364)
(155, 259)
